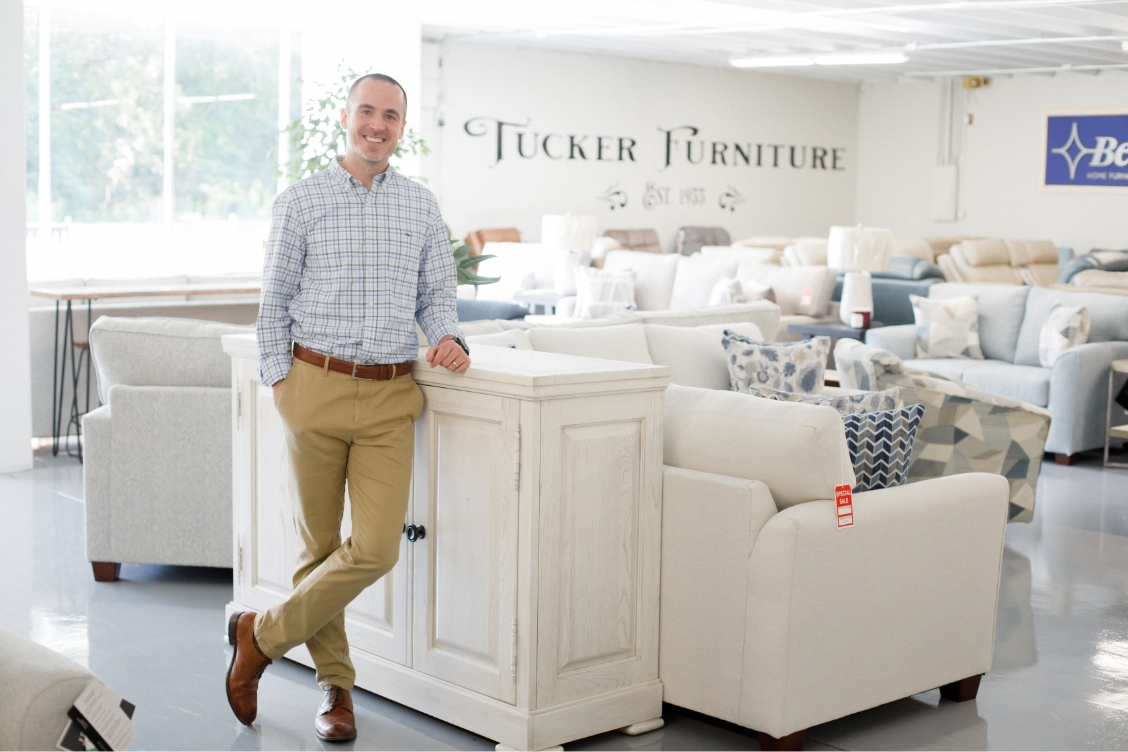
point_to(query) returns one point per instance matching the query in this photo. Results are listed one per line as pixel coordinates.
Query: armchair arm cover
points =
(899, 340)
(167, 453)
(704, 586)
(841, 620)
(859, 366)
(1079, 397)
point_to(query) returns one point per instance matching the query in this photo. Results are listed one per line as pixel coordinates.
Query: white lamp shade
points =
(859, 249)
(568, 231)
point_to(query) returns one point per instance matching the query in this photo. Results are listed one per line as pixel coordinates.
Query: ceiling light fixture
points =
(772, 62)
(863, 58)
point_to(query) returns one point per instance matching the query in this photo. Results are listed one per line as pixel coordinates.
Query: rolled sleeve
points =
(436, 308)
(281, 278)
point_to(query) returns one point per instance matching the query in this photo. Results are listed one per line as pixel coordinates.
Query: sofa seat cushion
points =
(625, 342)
(654, 275)
(694, 354)
(1027, 383)
(798, 451)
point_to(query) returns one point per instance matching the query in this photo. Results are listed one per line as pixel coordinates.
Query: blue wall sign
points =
(1087, 150)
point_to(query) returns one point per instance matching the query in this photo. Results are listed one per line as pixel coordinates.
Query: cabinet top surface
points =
(499, 366)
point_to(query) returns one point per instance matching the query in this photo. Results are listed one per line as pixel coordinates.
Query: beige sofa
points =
(1002, 261)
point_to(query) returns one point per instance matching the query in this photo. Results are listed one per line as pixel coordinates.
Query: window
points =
(128, 197)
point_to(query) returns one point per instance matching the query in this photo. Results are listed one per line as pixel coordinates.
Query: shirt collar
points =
(351, 180)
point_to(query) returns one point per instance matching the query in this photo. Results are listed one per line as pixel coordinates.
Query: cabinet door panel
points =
(465, 566)
(376, 621)
(600, 527)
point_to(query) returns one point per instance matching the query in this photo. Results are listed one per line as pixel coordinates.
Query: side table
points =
(1111, 431)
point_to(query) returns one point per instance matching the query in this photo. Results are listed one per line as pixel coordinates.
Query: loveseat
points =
(1074, 390)
(760, 590)
(157, 475)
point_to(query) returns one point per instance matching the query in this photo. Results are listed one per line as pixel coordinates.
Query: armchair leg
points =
(790, 742)
(962, 690)
(106, 571)
(1066, 459)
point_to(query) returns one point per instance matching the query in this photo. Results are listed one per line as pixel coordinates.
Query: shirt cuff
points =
(436, 330)
(274, 368)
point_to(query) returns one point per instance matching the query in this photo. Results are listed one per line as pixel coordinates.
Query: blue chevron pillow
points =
(881, 445)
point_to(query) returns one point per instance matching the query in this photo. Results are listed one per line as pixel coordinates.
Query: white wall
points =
(580, 95)
(999, 160)
(15, 384)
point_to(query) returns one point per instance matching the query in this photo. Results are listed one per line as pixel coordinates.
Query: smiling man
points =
(357, 254)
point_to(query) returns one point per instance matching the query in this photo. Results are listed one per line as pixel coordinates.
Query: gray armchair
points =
(690, 239)
(157, 473)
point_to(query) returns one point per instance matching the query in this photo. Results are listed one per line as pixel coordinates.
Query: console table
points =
(524, 607)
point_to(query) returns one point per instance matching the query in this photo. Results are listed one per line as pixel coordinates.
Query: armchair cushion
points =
(798, 451)
(160, 352)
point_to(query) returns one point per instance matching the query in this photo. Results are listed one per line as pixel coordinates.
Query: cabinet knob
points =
(415, 532)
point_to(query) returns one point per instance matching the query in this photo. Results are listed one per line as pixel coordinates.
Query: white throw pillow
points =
(751, 290)
(515, 338)
(1065, 327)
(694, 281)
(622, 342)
(797, 290)
(947, 328)
(654, 275)
(726, 292)
(600, 292)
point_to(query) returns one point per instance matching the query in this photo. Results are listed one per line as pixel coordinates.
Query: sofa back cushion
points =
(695, 278)
(1001, 312)
(806, 252)
(743, 254)
(654, 275)
(1108, 319)
(160, 352)
(804, 290)
(984, 260)
(798, 451)
(694, 354)
(1028, 252)
(636, 240)
(917, 247)
(625, 342)
(763, 313)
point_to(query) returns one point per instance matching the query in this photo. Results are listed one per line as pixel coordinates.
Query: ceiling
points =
(953, 38)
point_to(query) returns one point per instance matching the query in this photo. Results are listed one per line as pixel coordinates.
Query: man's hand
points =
(276, 386)
(449, 355)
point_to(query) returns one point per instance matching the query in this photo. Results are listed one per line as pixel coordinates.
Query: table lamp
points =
(571, 237)
(857, 251)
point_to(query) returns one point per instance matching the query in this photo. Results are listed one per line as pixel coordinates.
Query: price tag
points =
(807, 296)
(844, 503)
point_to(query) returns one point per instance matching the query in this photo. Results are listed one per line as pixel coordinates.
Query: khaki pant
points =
(338, 429)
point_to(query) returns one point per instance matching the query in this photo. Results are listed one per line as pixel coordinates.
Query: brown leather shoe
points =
(247, 665)
(335, 721)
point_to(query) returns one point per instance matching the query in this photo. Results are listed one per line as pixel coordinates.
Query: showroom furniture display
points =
(233, 308)
(777, 620)
(477, 240)
(806, 252)
(37, 688)
(857, 251)
(636, 240)
(76, 346)
(915, 247)
(525, 607)
(689, 240)
(157, 477)
(1111, 431)
(1098, 271)
(1010, 324)
(964, 428)
(832, 328)
(906, 275)
(1002, 261)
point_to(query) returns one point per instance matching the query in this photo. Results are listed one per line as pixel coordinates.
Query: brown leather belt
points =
(378, 372)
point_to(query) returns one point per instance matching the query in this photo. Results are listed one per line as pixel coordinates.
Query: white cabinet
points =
(527, 611)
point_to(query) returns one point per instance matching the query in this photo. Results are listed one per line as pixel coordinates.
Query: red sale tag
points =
(807, 296)
(844, 502)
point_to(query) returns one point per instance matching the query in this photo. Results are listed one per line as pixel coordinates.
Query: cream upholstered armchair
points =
(157, 473)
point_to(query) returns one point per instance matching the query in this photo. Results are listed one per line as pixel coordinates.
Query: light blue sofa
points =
(1075, 390)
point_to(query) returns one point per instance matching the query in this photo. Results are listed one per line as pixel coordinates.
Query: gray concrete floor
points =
(1059, 681)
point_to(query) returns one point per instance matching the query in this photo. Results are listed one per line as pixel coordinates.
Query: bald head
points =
(353, 97)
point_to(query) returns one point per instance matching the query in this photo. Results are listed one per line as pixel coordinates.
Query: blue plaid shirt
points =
(349, 271)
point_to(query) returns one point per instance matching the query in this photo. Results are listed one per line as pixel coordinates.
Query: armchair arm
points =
(566, 306)
(709, 525)
(1079, 397)
(841, 620)
(899, 340)
(97, 438)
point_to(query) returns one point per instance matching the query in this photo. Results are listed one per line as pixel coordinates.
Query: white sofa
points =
(771, 617)
(157, 471)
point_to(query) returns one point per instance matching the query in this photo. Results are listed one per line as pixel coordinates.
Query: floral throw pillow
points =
(786, 366)
(947, 328)
(1065, 327)
(881, 445)
(846, 404)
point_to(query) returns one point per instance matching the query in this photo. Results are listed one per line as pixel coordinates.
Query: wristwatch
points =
(462, 343)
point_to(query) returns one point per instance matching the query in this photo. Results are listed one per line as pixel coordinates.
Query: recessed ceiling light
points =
(772, 62)
(863, 58)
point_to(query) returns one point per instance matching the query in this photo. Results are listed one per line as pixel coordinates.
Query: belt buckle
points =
(358, 378)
